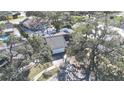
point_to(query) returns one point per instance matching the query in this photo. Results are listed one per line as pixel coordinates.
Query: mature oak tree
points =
(99, 49)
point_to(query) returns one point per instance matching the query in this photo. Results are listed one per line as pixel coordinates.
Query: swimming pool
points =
(4, 38)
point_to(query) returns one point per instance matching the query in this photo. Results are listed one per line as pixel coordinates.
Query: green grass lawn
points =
(48, 74)
(37, 69)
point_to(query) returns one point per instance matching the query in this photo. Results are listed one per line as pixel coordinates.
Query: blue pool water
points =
(4, 38)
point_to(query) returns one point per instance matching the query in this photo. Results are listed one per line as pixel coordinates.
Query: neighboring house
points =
(9, 28)
(7, 15)
(37, 26)
(6, 30)
(117, 36)
(6, 27)
(120, 35)
(34, 24)
(112, 33)
(57, 43)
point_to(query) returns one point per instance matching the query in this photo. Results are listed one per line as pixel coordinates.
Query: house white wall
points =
(56, 43)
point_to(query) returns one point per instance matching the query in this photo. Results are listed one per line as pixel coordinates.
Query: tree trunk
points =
(11, 55)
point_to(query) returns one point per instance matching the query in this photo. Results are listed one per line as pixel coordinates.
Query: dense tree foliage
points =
(96, 45)
(99, 49)
(41, 50)
(56, 18)
(19, 56)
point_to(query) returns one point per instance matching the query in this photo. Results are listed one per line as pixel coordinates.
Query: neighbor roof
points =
(56, 42)
(5, 13)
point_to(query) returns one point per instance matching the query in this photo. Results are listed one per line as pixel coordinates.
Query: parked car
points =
(66, 30)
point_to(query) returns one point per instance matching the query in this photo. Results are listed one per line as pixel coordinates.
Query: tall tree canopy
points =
(99, 49)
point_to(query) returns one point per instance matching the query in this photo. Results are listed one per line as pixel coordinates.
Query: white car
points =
(66, 30)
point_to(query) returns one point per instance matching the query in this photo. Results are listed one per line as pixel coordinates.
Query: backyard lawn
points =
(37, 69)
(48, 74)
